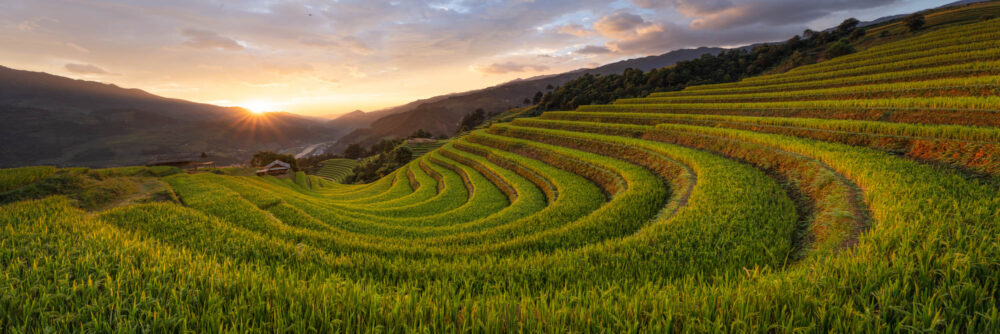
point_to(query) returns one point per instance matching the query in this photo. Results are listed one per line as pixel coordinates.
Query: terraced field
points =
(858, 194)
(337, 169)
(419, 149)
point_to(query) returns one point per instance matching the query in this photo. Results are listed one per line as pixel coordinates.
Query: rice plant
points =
(854, 195)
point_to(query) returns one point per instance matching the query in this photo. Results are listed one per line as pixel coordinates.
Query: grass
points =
(853, 195)
(14, 178)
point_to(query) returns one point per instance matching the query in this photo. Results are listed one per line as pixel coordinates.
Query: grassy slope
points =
(674, 212)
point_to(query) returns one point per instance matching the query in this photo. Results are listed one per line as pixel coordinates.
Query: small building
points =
(183, 161)
(418, 141)
(276, 167)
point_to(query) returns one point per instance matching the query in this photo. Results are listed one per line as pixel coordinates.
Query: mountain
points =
(359, 119)
(440, 115)
(351, 120)
(961, 3)
(351, 115)
(885, 19)
(48, 119)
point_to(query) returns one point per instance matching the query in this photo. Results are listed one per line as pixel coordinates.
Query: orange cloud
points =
(85, 69)
(619, 25)
(509, 67)
(576, 30)
(204, 39)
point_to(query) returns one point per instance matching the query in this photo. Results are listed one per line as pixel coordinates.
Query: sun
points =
(261, 106)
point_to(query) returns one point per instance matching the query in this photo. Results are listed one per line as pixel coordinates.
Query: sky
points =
(325, 58)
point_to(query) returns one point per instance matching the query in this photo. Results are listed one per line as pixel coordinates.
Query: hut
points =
(276, 167)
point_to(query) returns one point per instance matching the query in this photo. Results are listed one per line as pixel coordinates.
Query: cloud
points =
(318, 41)
(714, 23)
(85, 69)
(77, 47)
(576, 30)
(725, 14)
(355, 40)
(653, 38)
(284, 69)
(33, 24)
(661, 37)
(355, 72)
(620, 24)
(686, 6)
(204, 39)
(594, 50)
(350, 43)
(509, 67)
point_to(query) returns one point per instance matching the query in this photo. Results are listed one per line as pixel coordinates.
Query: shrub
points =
(914, 21)
(841, 48)
(354, 151)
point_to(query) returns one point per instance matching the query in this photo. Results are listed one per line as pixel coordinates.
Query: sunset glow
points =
(261, 106)
(486, 166)
(327, 58)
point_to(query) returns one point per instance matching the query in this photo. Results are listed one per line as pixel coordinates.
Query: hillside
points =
(858, 194)
(47, 119)
(441, 115)
(358, 119)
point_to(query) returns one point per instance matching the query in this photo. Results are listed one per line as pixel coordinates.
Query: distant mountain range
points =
(960, 3)
(440, 115)
(47, 119)
(899, 16)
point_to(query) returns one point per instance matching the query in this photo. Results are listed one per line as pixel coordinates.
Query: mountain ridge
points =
(49, 119)
(440, 114)
(390, 123)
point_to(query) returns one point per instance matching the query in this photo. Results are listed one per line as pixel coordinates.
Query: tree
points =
(472, 120)
(389, 160)
(797, 58)
(354, 151)
(839, 49)
(794, 42)
(384, 145)
(401, 155)
(847, 26)
(857, 34)
(421, 133)
(526, 101)
(549, 87)
(313, 163)
(915, 21)
(727, 66)
(537, 98)
(262, 158)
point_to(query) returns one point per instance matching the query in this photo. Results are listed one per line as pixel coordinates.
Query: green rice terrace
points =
(858, 194)
(337, 169)
(419, 147)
